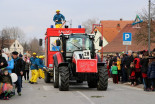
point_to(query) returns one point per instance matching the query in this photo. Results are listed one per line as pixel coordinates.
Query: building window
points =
(18, 45)
(14, 45)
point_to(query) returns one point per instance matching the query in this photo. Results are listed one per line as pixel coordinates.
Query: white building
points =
(13, 45)
(98, 35)
(16, 46)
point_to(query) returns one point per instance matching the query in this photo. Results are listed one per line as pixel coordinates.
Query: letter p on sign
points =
(127, 36)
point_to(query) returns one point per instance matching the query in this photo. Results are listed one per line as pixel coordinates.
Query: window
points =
(53, 46)
(78, 42)
(14, 45)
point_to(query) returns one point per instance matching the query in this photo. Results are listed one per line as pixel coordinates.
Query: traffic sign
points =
(127, 38)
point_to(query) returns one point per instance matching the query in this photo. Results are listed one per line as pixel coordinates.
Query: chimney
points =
(118, 27)
(121, 19)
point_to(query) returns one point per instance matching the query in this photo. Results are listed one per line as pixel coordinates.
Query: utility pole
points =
(149, 26)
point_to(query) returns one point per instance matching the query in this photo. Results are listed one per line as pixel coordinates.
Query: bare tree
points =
(88, 24)
(13, 33)
(142, 33)
(144, 13)
(26, 47)
(34, 46)
(4, 39)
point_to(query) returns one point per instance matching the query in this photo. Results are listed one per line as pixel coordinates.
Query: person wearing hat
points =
(3, 62)
(21, 57)
(18, 69)
(34, 68)
(40, 71)
(58, 19)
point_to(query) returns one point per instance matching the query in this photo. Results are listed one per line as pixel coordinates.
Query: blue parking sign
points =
(127, 38)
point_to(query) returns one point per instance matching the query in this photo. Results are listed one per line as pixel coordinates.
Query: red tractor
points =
(74, 57)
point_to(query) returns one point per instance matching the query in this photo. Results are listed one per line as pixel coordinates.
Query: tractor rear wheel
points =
(47, 77)
(63, 78)
(56, 76)
(103, 78)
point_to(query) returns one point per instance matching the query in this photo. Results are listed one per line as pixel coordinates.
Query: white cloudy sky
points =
(34, 16)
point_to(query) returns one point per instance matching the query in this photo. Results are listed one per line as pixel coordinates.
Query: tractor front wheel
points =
(103, 78)
(63, 78)
(55, 76)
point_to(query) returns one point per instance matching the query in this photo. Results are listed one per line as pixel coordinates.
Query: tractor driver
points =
(75, 44)
(58, 19)
(54, 47)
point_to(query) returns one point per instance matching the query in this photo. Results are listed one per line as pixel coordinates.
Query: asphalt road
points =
(43, 93)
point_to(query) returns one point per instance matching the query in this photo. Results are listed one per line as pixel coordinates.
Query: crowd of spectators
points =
(135, 67)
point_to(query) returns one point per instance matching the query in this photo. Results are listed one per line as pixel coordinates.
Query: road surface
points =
(43, 93)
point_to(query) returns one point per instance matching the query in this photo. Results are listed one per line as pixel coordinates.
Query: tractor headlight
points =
(66, 36)
(91, 36)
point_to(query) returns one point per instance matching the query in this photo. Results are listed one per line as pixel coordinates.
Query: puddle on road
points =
(97, 96)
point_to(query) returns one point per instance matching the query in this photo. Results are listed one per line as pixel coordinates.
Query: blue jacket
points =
(10, 65)
(41, 63)
(151, 70)
(35, 63)
(58, 17)
(55, 48)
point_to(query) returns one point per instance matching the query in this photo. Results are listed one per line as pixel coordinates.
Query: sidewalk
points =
(129, 84)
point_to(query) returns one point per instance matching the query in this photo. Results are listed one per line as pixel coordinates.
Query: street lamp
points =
(149, 26)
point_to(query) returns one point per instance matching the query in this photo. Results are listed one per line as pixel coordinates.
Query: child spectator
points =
(7, 84)
(132, 74)
(114, 71)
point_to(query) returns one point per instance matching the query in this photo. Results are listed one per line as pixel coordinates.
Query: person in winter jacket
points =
(3, 62)
(144, 68)
(151, 73)
(124, 75)
(40, 71)
(114, 71)
(27, 68)
(119, 67)
(132, 73)
(137, 68)
(34, 68)
(18, 69)
(127, 61)
(58, 19)
(115, 57)
(10, 65)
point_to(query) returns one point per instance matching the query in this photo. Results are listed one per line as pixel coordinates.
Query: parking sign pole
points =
(126, 48)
